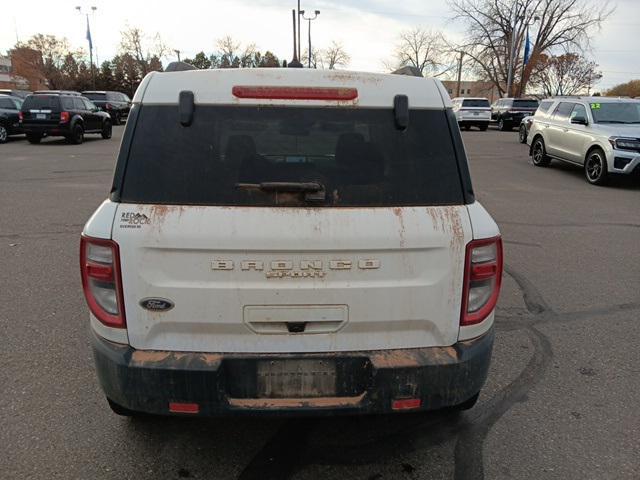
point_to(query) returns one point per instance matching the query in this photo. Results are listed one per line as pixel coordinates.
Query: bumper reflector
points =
(180, 407)
(406, 404)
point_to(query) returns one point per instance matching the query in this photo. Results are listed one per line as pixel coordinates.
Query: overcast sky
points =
(368, 29)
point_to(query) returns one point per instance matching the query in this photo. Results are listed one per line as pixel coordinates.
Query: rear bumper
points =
(225, 384)
(474, 121)
(49, 130)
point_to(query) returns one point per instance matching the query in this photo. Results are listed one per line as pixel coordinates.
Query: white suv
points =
(600, 134)
(290, 241)
(472, 112)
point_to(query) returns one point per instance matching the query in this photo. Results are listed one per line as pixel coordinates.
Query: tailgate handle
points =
(296, 327)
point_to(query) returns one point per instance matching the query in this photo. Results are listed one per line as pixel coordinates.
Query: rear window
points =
(40, 102)
(525, 103)
(96, 96)
(228, 153)
(475, 103)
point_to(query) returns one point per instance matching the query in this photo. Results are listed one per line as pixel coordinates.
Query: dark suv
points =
(509, 112)
(9, 117)
(115, 104)
(62, 114)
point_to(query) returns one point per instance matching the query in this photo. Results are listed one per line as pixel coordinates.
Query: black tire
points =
(106, 129)
(503, 126)
(76, 137)
(34, 138)
(467, 404)
(522, 134)
(467, 128)
(539, 153)
(595, 167)
(483, 128)
(116, 119)
(4, 134)
(122, 411)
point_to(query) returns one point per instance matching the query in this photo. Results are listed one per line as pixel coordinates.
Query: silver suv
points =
(600, 134)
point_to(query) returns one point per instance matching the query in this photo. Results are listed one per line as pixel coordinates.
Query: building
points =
(22, 70)
(472, 88)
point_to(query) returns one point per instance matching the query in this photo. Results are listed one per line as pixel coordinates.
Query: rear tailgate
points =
(360, 279)
(374, 260)
(41, 111)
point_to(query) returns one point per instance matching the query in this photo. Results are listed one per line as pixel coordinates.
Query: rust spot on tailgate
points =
(397, 211)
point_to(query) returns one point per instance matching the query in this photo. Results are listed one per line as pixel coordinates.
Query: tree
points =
(142, 49)
(629, 89)
(566, 74)
(200, 61)
(56, 52)
(422, 49)
(334, 56)
(316, 57)
(269, 60)
(489, 26)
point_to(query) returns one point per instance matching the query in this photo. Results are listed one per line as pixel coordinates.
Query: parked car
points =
(472, 112)
(22, 94)
(509, 112)
(62, 114)
(9, 116)
(600, 134)
(525, 124)
(238, 265)
(116, 104)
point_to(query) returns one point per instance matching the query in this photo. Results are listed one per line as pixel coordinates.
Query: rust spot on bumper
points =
(279, 403)
(169, 360)
(414, 357)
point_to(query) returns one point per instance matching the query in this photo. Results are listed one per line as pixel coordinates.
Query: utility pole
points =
(178, 54)
(93, 72)
(316, 13)
(459, 72)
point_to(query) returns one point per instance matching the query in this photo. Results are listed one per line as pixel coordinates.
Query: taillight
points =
(108, 106)
(101, 280)
(20, 116)
(482, 279)
(64, 117)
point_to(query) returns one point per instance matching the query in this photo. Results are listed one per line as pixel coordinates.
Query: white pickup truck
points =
(291, 241)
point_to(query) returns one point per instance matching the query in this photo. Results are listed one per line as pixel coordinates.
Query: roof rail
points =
(408, 70)
(179, 67)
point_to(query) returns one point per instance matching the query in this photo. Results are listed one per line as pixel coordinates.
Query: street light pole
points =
(309, 19)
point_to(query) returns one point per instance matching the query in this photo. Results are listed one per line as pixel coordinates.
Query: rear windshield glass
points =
(525, 103)
(475, 103)
(231, 156)
(96, 96)
(40, 102)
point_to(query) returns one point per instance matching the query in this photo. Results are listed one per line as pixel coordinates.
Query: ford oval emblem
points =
(156, 304)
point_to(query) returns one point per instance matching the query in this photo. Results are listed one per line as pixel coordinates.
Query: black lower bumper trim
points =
(221, 384)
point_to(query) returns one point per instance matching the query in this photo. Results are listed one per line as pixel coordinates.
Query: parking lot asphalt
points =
(563, 391)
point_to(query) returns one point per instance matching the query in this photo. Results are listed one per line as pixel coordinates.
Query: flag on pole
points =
(527, 48)
(89, 35)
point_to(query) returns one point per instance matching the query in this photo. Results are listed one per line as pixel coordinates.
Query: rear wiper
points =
(314, 191)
